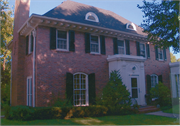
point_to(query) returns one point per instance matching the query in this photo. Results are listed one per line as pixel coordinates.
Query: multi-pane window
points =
(154, 80)
(160, 54)
(62, 40)
(121, 49)
(29, 91)
(80, 90)
(142, 49)
(94, 44)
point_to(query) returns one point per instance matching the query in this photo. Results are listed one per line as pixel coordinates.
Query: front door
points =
(135, 90)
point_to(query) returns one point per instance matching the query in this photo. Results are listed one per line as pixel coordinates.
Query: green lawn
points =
(139, 119)
(174, 109)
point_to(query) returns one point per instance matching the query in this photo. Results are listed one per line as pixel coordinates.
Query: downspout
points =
(34, 58)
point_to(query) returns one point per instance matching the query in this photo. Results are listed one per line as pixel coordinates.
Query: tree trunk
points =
(4, 64)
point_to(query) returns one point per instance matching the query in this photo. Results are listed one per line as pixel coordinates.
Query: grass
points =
(174, 109)
(138, 119)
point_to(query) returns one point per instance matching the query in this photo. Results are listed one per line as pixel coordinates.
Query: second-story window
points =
(62, 40)
(94, 44)
(29, 43)
(142, 49)
(160, 54)
(121, 49)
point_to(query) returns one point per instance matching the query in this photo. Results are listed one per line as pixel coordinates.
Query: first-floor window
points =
(94, 44)
(154, 80)
(80, 87)
(29, 91)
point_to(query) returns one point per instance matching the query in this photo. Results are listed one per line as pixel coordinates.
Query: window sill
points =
(92, 53)
(61, 50)
(161, 60)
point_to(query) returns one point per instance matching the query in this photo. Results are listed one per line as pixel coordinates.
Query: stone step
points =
(147, 109)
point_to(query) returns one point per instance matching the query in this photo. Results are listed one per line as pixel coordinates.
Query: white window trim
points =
(144, 49)
(29, 44)
(133, 25)
(67, 40)
(30, 77)
(156, 79)
(92, 14)
(124, 46)
(162, 55)
(98, 45)
(87, 89)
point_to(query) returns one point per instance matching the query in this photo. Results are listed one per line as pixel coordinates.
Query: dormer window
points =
(131, 26)
(90, 16)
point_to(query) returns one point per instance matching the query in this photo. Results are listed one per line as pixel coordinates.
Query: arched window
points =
(131, 26)
(80, 89)
(90, 16)
(154, 80)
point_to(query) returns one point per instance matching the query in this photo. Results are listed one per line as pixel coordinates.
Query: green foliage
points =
(161, 92)
(26, 113)
(115, 93)
(161, 22)
(178, 60)
(173, 58)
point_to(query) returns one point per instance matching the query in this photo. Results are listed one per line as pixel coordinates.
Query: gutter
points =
(77, 23)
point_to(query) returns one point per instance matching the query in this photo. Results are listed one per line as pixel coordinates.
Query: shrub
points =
(115, 93)
(26, 113)
(120, 110)
(161, 92)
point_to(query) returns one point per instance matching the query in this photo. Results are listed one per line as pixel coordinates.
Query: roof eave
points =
(36, 20)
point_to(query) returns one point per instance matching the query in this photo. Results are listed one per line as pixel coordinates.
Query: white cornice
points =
(125, 58)
(36, 20)
(176, 64)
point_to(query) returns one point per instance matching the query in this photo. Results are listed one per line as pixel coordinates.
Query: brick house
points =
(71, 50)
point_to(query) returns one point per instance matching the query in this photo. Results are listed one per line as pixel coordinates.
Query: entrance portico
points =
(132, 73)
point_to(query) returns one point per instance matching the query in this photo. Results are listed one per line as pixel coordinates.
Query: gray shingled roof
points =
(74, 11)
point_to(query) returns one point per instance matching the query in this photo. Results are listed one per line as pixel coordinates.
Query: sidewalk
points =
(160, 113)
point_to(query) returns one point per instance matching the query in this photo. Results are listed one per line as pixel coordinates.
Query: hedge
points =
(26, 113)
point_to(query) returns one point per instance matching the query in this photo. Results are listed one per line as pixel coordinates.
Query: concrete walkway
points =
(160, 113)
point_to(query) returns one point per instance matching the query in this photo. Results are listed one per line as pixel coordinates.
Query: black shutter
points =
(103, 46)
(127, 47)
(32, 38)
(92, 90)
(138, 48)
(69, 87)
(27, 44)
(71, 41)
(87, 42)
(156, 52)
(148, 78)
(115, 46)
(160, 78)
(52, 38)
(148, 50)
(164, 53)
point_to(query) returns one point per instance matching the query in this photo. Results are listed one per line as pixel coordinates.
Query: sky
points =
(125, 8)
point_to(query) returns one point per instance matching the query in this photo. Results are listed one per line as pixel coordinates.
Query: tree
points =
(6, 24)
(6, 32)
(178, 60)
(115, 93)
(173, 58)
(161, 22)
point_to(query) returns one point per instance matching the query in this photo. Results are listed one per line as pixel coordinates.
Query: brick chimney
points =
(18, 53)
(20, 16)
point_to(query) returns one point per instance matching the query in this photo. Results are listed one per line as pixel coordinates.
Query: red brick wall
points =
(52, 65)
